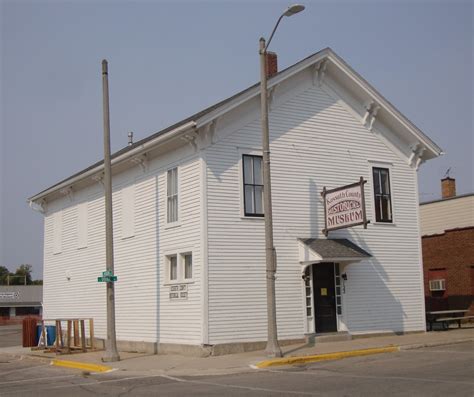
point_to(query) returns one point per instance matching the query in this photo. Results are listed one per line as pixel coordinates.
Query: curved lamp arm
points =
(294, 9)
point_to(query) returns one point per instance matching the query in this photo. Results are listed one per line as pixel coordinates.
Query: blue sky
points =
(168, 60)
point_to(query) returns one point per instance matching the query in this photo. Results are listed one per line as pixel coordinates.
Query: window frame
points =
(244, 184)
(389, 166)
(376, 170)
(168, 269)
(183, 260)
(177, 194)
(180, 267)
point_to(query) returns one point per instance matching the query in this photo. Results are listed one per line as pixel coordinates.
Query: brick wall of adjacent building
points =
(450, 255)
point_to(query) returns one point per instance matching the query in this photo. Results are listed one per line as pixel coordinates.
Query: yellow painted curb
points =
(327, 356)
(82, 366)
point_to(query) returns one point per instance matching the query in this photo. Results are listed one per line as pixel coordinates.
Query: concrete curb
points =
(353, 353)
(82, 366)
(434, 344)
(326, 356)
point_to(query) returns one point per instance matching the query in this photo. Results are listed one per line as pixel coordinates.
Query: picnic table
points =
(446, 316)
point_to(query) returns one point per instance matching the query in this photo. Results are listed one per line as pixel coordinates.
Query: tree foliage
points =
(21, 276)
(3, 275)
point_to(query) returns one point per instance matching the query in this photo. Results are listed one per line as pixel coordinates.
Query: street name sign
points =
(107, 277)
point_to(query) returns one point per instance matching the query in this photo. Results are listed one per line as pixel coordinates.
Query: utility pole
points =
(111, 353)
(273, 348)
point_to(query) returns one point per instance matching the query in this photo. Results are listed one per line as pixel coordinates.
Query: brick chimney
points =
(448, 187)
(272, 64)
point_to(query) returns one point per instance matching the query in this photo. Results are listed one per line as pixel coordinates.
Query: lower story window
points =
(173, 267)
(188, 266)
(179, 267)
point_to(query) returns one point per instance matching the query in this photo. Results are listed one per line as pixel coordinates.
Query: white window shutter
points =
(128, 211)
(57, 232)
(82, 225)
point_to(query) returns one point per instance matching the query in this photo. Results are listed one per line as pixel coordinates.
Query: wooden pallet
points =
(69, 339)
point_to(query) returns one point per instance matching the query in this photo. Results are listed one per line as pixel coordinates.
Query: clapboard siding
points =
(180, 321)
(443, 215)
(143, 309)
(315, 142)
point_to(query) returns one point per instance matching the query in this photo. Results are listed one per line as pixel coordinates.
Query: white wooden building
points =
(189, 244)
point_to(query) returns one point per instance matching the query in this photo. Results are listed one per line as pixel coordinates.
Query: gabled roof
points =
(205, 116)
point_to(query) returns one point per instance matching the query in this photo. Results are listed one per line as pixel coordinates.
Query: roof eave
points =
(396, 114)
(146, 146)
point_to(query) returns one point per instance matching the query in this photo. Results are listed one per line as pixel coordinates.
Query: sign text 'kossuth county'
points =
(344, 206)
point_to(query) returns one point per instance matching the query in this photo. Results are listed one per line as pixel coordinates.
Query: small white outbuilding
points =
(189, 226)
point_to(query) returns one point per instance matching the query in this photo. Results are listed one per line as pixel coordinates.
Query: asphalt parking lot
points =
(10, 335)
(436, 371)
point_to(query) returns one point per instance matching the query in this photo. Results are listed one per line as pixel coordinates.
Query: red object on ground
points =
(29, 332)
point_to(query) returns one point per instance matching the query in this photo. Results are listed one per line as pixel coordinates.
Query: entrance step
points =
(328, 337)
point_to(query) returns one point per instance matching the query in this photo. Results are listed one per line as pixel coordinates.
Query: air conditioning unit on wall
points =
(437, 285)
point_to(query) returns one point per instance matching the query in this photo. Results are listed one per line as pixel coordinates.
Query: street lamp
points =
(273, 348)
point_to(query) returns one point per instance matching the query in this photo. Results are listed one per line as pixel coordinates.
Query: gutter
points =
(117, 160)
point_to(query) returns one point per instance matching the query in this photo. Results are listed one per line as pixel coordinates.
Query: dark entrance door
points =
(324, 297)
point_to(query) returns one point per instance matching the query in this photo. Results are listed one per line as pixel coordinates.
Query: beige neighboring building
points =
(449, 212)
(447, 237)
(18, 301)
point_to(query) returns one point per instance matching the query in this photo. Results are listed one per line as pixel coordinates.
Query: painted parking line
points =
(437, 351)
(36, 379)
(93, 383)
(250, 388)
(374, 377)
(173, 378)
(23, 369)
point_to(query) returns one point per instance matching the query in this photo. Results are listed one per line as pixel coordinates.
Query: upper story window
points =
(253, 185)
(172, 195)
(382, 195)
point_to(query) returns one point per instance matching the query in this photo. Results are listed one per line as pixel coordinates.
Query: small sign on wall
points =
(344, 207)
(178, 292)
(9, 295)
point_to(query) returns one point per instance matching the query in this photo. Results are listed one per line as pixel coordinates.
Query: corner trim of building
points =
(204, 253)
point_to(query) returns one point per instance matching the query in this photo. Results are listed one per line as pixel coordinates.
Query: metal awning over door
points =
(314, 250)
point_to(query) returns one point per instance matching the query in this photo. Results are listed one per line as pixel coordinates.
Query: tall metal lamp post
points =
(273, 348)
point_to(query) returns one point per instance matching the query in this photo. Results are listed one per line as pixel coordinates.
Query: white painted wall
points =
(448, 214)
(315, 142)
(144, 311)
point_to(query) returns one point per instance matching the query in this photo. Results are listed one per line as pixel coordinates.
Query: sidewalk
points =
(176, 365)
